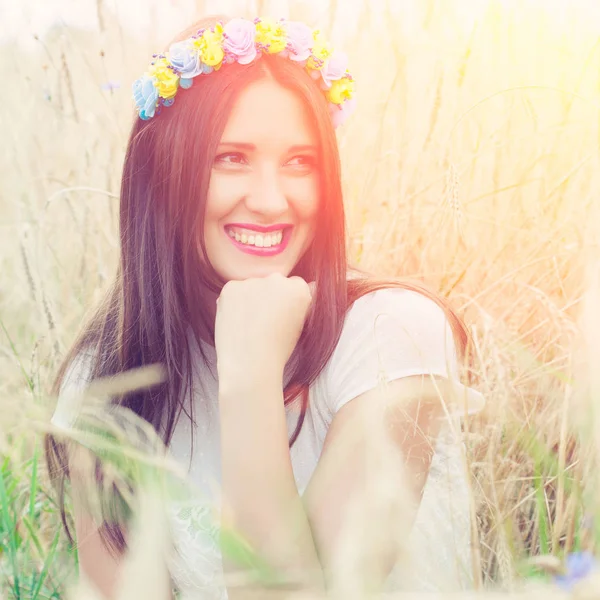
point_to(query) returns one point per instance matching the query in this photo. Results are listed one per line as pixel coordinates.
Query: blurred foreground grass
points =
(472, 162)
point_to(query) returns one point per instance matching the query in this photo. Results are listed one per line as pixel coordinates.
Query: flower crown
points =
(243, 41)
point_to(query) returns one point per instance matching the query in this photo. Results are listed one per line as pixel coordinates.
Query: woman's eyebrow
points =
(303, 148)
(240, 145)
(252, 147)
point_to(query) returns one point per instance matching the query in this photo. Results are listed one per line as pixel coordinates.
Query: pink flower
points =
(334, 68)
(340, 112)
(300, 40)
(239, 40)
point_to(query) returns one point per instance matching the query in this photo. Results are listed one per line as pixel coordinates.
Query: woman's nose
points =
(267, 196)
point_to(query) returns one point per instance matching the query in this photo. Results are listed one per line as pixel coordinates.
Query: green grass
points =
(35, 558)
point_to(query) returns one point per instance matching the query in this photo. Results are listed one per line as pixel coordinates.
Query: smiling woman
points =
(284, 366)
(264, 186)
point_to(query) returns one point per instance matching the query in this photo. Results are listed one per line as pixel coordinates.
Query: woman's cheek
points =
(224, 192)
(305, 195)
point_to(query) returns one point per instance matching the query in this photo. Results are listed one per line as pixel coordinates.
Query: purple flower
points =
(579, 566)
(340, 112)
(145, 96)
(334, 68)
(300, 40)
(185, 60)
(239, 40)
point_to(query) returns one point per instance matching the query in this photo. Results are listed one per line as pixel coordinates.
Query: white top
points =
(391, 332)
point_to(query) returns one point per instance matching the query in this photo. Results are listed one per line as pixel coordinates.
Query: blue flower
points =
(579, 566)
(185, 60)
(145, 95)
(185, 83)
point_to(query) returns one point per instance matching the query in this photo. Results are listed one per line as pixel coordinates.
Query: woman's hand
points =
(258, 324)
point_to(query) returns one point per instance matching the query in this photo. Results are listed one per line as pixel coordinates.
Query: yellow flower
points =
(271, 34)
(321, 51)
(167, 81)
(340, 90)
(210, 46)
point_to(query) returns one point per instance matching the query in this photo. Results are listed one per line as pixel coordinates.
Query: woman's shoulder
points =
(390, 333)
(77, 377)
(391, 330)
(403, 305)
(392, 320)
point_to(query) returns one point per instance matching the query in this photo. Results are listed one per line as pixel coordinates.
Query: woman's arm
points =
(96, 563)
(259, 495)
(368, 483)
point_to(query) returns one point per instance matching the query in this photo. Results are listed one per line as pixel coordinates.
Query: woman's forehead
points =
(268, 113)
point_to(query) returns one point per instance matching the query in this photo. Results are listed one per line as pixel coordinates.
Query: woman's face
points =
(264, 187)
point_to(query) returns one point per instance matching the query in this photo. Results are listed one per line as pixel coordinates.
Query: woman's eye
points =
(231, 158)
(302, 161)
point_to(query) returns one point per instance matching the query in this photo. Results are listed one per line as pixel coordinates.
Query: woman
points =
(234, 277)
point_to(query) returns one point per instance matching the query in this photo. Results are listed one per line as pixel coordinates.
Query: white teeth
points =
(259, 240)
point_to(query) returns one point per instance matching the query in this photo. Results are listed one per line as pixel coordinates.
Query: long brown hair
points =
(160, 289)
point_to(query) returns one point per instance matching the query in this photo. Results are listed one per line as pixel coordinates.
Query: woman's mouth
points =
(258, 243)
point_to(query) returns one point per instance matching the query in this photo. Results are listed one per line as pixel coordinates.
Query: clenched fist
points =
(258, 324)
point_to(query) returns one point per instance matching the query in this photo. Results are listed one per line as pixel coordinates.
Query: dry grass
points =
(472, 162)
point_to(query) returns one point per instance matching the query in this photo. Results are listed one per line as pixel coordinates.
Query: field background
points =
(471, 162)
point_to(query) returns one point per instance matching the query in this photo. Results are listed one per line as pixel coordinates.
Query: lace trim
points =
(196, 564)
